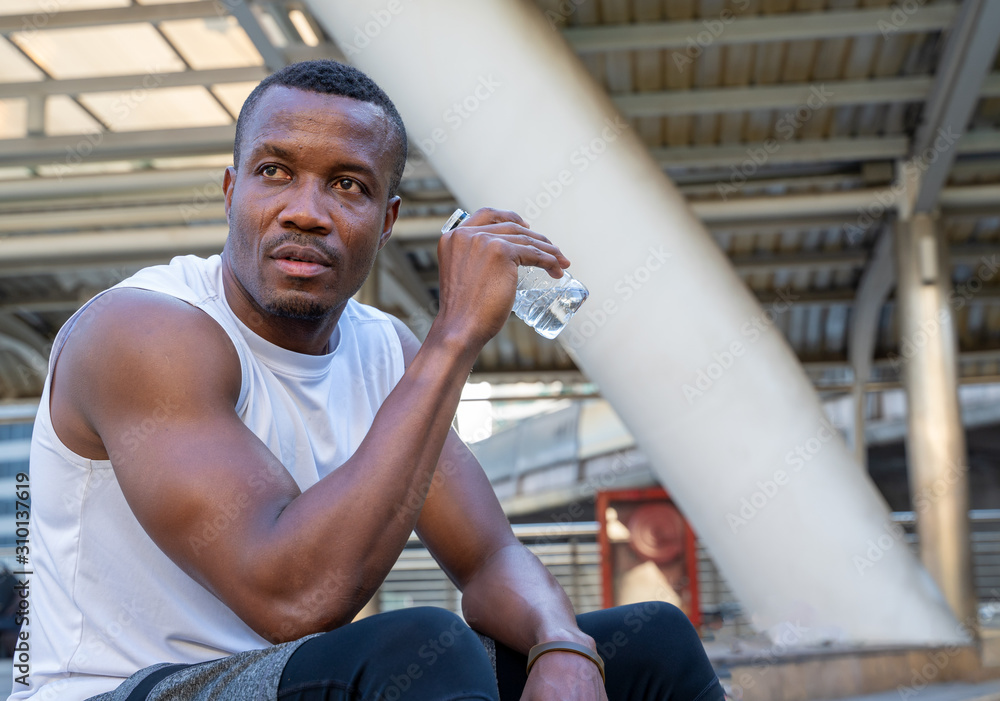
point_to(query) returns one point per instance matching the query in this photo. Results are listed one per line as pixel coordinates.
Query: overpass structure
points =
(822, 151)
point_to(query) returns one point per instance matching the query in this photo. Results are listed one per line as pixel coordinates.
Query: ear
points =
(228, 184)
(391, 214)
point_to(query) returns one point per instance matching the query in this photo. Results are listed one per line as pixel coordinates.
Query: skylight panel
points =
(220, 161)
(17, 173)
(213, 42)
(50, 7)
(64, 117)
(59, 170)
(233, 95)
(88, 52)
(13, 118)
(14, 67)
(165, 108)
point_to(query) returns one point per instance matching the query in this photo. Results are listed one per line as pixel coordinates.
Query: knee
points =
(655, 619)
(433, 632)
(658, 621)
(649, 628)
(426, 619)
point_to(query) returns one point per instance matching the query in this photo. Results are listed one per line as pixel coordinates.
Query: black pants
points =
(651, 652)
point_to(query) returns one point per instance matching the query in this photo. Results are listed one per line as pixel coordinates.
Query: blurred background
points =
(809, 137)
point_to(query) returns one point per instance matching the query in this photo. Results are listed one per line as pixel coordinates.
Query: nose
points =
(307, 208)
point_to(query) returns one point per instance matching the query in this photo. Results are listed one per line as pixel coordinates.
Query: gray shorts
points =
(248, 676)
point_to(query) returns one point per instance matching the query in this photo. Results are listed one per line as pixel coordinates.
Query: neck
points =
(307, 336)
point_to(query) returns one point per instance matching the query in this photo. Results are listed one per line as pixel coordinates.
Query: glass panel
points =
(14, 67)
(63, 116)
(233, 95)
(214, 42)
(123, 49)
(14, 173)
(13, 118)
(220, 161)
(166, 108)
(62, 170)
(44, 8)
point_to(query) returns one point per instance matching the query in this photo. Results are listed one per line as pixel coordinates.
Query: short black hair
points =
(328, 77)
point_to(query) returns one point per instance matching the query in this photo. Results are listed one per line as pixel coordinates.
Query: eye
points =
(347, 184)
(271, 171)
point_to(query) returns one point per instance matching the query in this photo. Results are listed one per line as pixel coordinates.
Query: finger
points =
(530, 248)
(534, 255)
(488, 215)
(554, 263)
(525, 235)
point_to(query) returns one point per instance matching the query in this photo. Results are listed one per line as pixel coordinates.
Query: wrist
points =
(582, 654)
(452, 342)
(574, 635)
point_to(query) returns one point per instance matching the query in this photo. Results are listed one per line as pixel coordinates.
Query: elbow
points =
(295, 613)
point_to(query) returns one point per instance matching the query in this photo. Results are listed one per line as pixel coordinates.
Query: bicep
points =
(161, 398)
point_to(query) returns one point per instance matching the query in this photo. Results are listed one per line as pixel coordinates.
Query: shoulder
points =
(130, 346)
(131, 318)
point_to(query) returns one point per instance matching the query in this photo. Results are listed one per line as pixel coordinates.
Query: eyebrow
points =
(267, 148)
(270, 148)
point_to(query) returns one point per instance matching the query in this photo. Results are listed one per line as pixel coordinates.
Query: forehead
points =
(312, 119)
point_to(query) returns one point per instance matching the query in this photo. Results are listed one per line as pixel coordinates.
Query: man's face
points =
(308, 205)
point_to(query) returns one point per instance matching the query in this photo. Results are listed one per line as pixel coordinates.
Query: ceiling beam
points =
(49, 251)
(979, 141)
(794, 26)
(799, 95)
(805, 151)
(274, 59)
(876, 283)
(113, 83)
(790, 152)
(145, 182)
(799, 261)
(74, 19)
(112, 217)
(969, 54)
(63, 152)
(971, 197)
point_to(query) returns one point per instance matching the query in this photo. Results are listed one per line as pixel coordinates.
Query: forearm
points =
(349, 528)
(514, 599)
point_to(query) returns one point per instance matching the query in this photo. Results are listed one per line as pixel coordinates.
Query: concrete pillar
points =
(698, 372)
(935, 442)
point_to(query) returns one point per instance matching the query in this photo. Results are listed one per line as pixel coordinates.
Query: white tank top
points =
(105, 601)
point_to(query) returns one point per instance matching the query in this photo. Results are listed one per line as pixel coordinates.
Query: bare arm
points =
(507, 593)
(290, 562)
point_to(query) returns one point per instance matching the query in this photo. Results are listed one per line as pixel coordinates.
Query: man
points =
(231, 453)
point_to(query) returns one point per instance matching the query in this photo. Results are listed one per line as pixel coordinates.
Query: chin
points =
(299, 308)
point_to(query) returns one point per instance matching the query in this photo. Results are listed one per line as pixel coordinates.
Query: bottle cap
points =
(456, 218)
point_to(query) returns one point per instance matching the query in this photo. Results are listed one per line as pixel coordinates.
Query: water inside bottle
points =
(548, 310)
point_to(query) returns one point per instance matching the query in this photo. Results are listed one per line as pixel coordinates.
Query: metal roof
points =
(782, 122)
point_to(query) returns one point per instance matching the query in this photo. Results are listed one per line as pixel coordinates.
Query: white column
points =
(689, 360)
(935, 439)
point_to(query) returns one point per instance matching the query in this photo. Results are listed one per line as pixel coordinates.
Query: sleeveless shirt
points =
(104, 600)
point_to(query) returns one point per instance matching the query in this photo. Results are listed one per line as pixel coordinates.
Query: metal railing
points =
(571, 552)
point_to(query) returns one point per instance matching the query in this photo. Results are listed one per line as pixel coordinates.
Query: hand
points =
(478, 271)
(564, 676)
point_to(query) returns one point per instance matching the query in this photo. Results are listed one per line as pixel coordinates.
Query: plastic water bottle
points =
(544, 303)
